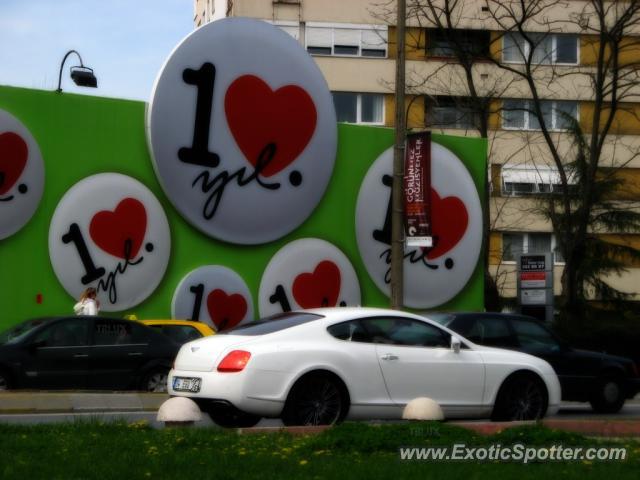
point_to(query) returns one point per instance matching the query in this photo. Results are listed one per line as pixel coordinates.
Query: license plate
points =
(186, 384)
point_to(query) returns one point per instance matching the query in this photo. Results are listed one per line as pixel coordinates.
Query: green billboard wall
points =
(80, 136)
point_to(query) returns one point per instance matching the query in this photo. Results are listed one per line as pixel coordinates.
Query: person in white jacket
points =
(88, 303)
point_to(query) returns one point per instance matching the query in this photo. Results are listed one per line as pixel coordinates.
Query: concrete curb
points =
(74, 402)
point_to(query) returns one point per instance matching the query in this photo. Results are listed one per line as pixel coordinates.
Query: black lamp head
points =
(84, 77)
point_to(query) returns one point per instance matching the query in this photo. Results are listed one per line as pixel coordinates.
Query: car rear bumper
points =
(256, 392)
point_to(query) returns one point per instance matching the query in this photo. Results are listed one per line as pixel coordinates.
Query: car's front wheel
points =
(521, 397)
(315, 400)
(609, 395)
(155, 380)
(230, 417)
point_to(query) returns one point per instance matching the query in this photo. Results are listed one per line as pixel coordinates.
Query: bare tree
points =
(584, 207)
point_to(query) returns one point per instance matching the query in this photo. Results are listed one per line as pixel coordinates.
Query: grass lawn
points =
(353, 450)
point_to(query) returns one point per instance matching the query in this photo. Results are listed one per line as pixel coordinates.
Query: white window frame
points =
(525, 245)
(554, 49)
(535, 175)
(347, 26)
(359, 108)
(527, 110)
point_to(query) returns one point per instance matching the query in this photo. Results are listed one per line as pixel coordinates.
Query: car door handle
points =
(80, 355)
(135, 354)
(389, 356)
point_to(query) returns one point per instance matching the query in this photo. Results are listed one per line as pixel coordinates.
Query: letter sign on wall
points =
(110, 232)
(242, 131)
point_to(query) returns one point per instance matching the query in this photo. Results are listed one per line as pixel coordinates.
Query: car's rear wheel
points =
(609, 395)
(521, 397)
(230, 417)
(316, 399)
(155, 380)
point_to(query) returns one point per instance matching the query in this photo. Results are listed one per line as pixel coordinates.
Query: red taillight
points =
(234, 361)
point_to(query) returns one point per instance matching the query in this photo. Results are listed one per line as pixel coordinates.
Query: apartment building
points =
(353, 42)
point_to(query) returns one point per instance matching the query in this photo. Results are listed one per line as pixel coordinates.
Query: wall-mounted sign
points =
(433, 275)
(308, 273)
(242, 131)
(417, 190)
(109, 231)
(21, 175)
(215, 295)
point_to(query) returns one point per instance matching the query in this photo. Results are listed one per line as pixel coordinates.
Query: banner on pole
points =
(417, 190)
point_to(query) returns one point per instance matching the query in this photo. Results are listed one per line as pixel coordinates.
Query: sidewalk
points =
(74, 402)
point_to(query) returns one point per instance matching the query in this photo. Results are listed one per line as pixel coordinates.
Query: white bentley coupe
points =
(319, 367)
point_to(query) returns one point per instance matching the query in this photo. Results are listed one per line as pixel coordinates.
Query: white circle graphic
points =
(431, 277)
(214, 295)
(308, 273)
(242, 131)
(21, 175)
(110, 232)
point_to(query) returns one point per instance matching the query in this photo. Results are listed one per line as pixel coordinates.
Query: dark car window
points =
(272, 324)
(532, 336)
(350, 331)
(66, 333)
(18, 332)
(179, 333)
(116, 332)
(405, 331)
(490, 331)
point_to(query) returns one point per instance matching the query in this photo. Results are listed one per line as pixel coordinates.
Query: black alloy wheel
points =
(314, 400)
(523, 397)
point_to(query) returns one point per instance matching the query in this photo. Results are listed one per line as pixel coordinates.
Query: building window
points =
(531, 180)
(442, 43)
(346, 40)
(519, 114)
(292, 28)
(359, 107)
(450, 112)
(517, 243)
(549, 49)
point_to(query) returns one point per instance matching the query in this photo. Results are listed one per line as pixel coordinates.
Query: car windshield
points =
(441, 318)
(16, 333)
(274, 323)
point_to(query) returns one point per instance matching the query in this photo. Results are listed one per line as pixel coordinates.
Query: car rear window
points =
(272, 324)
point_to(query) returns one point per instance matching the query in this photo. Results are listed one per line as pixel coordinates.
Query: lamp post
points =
(81, 75)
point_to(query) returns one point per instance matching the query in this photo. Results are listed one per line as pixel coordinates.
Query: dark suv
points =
(605, 381)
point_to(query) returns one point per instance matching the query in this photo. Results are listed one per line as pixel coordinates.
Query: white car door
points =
(416, 361)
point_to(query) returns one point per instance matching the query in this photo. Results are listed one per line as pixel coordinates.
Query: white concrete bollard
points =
(422, 408)
(179, 412)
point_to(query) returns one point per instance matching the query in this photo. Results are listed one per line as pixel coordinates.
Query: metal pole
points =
(397, 215)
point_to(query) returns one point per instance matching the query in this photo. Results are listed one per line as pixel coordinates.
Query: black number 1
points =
(198, 153)
(198, 291)
(92, 273)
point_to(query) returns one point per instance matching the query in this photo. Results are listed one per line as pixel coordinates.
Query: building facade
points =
(353, 43)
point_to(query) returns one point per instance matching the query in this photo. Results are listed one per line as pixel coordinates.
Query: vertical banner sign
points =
(417, 189)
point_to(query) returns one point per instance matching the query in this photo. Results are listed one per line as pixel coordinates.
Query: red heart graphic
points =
(226, 311)
(449, 220)
(13, 158)
(111, 230)
(258, 116)
(320, 288)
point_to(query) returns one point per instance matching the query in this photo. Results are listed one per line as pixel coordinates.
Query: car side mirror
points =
(455, 344)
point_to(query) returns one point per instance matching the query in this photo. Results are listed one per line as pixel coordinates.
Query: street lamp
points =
(81, 75)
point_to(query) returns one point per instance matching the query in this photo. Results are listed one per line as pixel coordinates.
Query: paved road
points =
(568, 411)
